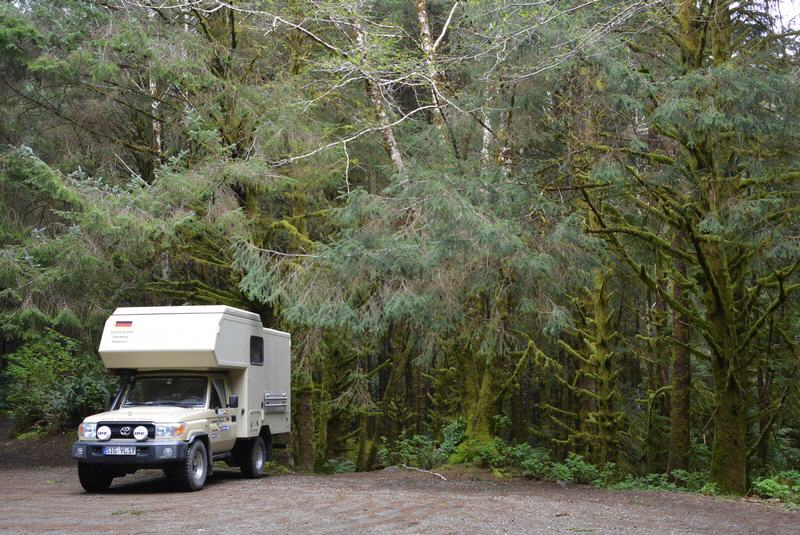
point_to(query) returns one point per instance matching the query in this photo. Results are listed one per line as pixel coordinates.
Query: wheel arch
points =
(203, 437)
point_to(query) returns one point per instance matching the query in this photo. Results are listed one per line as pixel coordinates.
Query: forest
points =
(547, 235)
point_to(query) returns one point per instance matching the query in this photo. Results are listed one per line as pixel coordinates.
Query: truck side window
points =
(256, 351)
(218, 388)
(214, 402)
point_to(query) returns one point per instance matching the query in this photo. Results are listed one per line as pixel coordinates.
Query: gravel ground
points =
(50, 499)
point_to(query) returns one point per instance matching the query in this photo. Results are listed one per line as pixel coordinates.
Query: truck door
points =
(223, 433)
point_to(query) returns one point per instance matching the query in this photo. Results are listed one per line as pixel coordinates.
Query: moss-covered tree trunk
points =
(481, 382)
(471, 381)
(605, 420)
(595, 388)
(680, 423)
(729, 447)
(479, 403)
(479, 421)
(657, 367)
(393, 395)
(420, 400)
(304, 425)
(362, 454)
(729, 369)
(764, 378)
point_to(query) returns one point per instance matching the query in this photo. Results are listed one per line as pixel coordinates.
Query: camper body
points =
(199, 384)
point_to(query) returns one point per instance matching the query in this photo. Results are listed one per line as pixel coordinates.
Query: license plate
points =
(119, 450)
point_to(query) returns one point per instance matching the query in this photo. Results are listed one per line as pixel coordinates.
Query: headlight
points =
(170, 430)
(87, 430)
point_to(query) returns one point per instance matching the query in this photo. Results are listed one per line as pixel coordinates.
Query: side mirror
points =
(233, 401)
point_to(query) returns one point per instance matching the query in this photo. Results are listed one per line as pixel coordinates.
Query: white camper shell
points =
(208, 338)
(201, 384)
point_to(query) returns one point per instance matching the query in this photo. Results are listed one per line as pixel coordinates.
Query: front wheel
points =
(191, 474)
(94, 478)
(254, 460)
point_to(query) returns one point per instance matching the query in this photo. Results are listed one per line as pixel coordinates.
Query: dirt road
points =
(51, 500)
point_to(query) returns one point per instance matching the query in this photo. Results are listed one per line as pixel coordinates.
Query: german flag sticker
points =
(124, 324)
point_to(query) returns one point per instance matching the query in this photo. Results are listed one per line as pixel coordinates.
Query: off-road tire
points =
(192, 472)
(94, 478)
(253, 458)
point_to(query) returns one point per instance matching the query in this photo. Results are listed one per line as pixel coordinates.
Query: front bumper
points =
(148, 453)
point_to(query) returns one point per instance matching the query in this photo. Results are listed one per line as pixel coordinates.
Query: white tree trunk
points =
(152, 86)
(506, 137)
(486, 143)
(430, 66)
(375, 98)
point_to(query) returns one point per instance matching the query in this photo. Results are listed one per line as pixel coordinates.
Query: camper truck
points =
(198, 384)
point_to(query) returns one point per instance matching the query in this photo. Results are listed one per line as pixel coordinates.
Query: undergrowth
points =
(506, 459)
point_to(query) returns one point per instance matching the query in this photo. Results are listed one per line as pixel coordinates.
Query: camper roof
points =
(200, 309)
(184, 337)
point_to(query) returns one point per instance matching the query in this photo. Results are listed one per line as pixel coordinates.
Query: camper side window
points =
(256, 351)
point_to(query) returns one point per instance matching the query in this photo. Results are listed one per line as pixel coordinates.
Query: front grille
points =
(117, 427)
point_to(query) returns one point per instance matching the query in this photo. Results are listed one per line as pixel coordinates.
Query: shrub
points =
(790, 476)
(516, 454)
(679, 480)
(783, 485)
(417, 450)
(693, 481)
(582, 471)
(710, 489)
(453, 435)
(646, 482)
(770, 488)
(421, 451)
(501, 422)
(338, 466)
(536, 465)
(52, 384)
(559, 472)
(490, 454)
(608, 474)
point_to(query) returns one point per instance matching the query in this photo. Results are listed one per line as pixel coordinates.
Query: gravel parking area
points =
(50, 499)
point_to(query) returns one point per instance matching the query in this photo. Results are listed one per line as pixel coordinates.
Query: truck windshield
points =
(174, 391)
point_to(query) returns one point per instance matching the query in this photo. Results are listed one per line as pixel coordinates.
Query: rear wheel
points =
(254, 459)
(191, 474)
(94, 478)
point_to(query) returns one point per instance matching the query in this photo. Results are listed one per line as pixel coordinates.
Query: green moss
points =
(32, 435)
